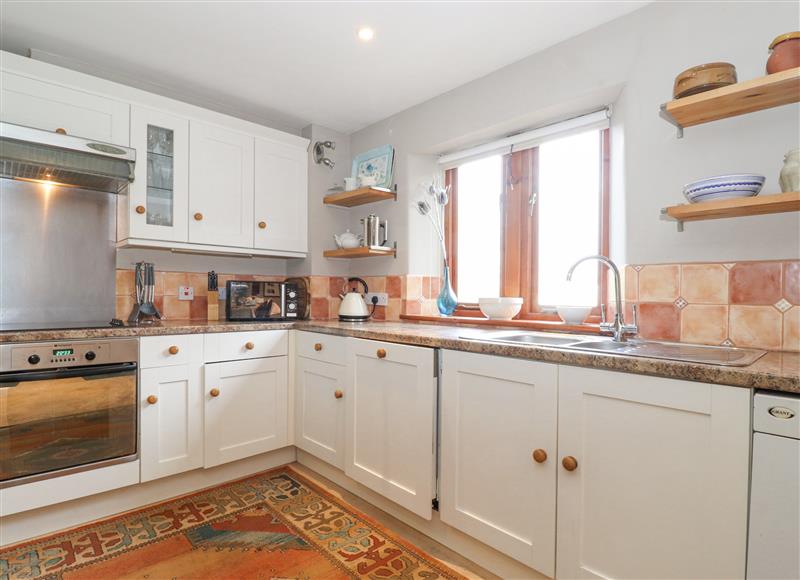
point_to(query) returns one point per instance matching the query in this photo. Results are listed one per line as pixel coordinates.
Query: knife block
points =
(213, 305)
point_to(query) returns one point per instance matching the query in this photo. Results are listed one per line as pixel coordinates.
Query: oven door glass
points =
(65, 418)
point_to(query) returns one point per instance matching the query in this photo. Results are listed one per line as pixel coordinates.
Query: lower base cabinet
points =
(171, 420)
(660, 480)
(320, 413)
(497, 415)
(246, 408)
(391, 422)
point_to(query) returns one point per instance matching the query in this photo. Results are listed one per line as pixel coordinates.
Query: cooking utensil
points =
(145, 307)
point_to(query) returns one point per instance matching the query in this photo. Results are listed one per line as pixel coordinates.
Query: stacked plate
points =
(724, 187)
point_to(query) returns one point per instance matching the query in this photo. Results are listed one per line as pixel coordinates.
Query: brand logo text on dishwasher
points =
(781, 412)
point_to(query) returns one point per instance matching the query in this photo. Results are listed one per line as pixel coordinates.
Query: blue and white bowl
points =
(724, 187)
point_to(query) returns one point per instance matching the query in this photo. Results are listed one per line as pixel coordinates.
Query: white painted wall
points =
(324, 221)
(630, 62)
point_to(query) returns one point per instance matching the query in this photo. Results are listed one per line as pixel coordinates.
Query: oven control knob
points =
(90, 355)
(34, 359)
(292, 306)
(292, 294)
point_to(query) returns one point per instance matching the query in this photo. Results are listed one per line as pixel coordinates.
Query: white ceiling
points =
(289, 64)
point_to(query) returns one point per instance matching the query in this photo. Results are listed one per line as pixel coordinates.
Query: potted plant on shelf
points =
(433, 207)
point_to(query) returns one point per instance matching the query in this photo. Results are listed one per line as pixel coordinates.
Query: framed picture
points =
(374, 167)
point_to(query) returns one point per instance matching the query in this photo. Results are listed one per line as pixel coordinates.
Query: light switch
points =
(185, 293)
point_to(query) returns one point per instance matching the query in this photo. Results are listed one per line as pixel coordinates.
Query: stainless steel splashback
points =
(57, 254)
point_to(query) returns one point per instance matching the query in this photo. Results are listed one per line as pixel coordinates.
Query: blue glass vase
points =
(447, 301)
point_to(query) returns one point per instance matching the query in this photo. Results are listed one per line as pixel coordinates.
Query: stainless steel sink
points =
(691, 353)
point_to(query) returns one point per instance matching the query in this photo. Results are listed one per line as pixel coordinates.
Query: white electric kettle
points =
(353, 307)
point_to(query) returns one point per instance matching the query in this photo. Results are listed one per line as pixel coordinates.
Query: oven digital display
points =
(63, 352)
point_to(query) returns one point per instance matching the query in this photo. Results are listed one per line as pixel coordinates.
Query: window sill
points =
(553, 326)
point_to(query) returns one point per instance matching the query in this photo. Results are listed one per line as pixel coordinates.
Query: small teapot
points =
(347, 240)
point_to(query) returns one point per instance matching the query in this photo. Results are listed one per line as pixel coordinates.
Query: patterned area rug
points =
(275, 525)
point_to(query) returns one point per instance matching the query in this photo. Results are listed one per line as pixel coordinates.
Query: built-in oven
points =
(66, 407)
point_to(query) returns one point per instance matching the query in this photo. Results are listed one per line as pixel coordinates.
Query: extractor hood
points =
(35, 155)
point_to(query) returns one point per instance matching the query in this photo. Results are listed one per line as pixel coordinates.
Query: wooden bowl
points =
(704, 77)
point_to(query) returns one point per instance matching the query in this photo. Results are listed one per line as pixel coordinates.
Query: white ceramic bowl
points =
(723, 187)
(573, 314)
(504, 308)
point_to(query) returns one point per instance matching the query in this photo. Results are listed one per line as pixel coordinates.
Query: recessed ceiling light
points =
(365, 34)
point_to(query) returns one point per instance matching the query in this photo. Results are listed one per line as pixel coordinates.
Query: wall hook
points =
(319, 153)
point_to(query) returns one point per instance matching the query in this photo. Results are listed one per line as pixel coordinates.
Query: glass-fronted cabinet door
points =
(159, 196)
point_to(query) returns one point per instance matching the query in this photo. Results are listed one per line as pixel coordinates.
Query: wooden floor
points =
(432, 547)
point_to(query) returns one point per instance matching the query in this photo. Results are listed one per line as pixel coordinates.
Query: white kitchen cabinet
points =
(246, 408)
(390, 421)
(319, 415)
(660, 487)
(157, 204)
(171, 420)
(281, 197)
(36, 103)
(221, 186)
(496, 413)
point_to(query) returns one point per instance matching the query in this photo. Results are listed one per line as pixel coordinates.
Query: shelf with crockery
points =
(360, 196)
(781, 88)
(738, 207)
(360, 252)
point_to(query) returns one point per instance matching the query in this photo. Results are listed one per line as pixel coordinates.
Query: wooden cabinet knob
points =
(249, 346)
(338, 393)
(381, 353)
(318, 346)
(198, 217)
(570, 463)
(539, 455)
(140, 209)
(152, 399)
(173, 349)
(61, 131)
(262, 225)
(214, 392)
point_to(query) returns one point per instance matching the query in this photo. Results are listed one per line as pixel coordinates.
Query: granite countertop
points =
(779, 371)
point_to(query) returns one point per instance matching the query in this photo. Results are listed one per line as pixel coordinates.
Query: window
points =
(524, 218)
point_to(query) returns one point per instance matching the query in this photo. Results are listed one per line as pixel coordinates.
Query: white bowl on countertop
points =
(573, 314)
(503, 308)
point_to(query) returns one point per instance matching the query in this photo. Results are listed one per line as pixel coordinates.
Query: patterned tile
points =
(756, 326)
(791, 281)
(704, 323)
(704, 283)
(680, 302)
(727, 342)
(755, 283)
(791, 329)
(783, 305)
(659, 283)
(659, 321)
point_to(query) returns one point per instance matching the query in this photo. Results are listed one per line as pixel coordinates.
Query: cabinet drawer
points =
(323, 347)
(243, 345)
(164, 351)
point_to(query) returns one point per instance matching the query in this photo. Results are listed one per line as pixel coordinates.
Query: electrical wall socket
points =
(383, 298)
(222, 292)
(185, 293)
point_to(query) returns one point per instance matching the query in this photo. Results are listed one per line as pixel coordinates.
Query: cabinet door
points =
(171, 418)
(495, 412)
(158, 199)
(319, 400)
(246, 408)
(221, 186)
(390, 425)
(281, 197)
(660, 487)
(42, 105)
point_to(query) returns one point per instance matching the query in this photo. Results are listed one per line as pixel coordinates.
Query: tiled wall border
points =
(747, 304)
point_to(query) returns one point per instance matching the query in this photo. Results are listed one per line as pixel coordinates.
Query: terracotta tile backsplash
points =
(747, 304)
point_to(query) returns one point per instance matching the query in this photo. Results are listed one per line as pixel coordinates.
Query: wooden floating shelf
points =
(360, 252)
(773, 90)
(359, 196)
(738, 207)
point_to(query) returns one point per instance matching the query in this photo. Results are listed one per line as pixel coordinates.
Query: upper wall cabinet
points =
(221, 184)
(158, 200)
(42, 105)
(281, 197)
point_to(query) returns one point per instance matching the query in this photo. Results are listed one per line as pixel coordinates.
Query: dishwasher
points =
(774, 537)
